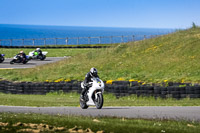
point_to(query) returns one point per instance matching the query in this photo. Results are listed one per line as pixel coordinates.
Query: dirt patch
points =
(37, 128)
(80, 130)
(3, 124)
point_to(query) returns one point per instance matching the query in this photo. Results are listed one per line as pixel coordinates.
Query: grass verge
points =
(55, 52)
(173, 57)
(72, 99)
(10, 122)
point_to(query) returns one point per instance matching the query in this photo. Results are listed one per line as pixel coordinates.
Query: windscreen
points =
(97, 80)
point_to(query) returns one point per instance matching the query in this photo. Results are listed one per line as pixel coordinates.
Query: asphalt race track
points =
(32, 63)
(189, 113)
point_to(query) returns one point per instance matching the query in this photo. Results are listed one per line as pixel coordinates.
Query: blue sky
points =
(102, 13)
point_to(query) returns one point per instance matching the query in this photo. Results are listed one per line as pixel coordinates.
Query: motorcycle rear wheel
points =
(99, 101)
(83, 104)
(42, 57)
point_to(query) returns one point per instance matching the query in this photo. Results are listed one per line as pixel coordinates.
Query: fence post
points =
(33, 42)
(10, 42)
(99, 40)
(77, 40)
(89, 40)
(66, 41)
(22, 42)
(144, 37)
(133, 38)
(55, 41)
(111, 39)
(122, 39)
(44, 41)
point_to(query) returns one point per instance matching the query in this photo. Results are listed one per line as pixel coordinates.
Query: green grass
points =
(55, 52)
(10, 122)
(72, 99)
(173, 57)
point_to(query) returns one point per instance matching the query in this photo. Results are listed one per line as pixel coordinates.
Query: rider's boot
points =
(82, 93)
(82, 98)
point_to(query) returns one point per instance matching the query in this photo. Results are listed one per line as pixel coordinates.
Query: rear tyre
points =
(99, 101)
(83, 104)
(42, 57)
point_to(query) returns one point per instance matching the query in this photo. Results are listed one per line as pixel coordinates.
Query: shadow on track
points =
(109, 108)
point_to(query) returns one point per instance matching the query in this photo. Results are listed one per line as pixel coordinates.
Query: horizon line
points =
(91, 26)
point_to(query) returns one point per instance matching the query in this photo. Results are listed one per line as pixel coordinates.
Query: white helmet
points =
(21, 52)
(37, 48)
(93, 72)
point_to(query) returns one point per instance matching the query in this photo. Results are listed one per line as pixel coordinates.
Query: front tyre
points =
(83, 104)
(12, 61)
(24, 62)
(99, 101)
(1, 59)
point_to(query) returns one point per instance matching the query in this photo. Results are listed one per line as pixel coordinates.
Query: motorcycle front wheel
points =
(1, 59)
(12, 61)
(24, 62)
(99, 101)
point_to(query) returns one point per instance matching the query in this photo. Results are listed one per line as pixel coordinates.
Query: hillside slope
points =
(173, 57)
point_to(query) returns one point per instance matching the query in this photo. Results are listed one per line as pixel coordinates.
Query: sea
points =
(16, 35)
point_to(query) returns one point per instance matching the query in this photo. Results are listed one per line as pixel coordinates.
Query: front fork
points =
(96, 93)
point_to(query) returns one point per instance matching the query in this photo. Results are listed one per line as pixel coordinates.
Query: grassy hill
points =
(173, 57)
(54, 52)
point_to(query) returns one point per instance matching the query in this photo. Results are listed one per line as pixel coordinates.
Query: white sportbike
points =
(94, 95)
(34, 55)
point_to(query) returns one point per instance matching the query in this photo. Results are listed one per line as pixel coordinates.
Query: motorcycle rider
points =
(88, 77)
(39, 51)
(22, 55)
